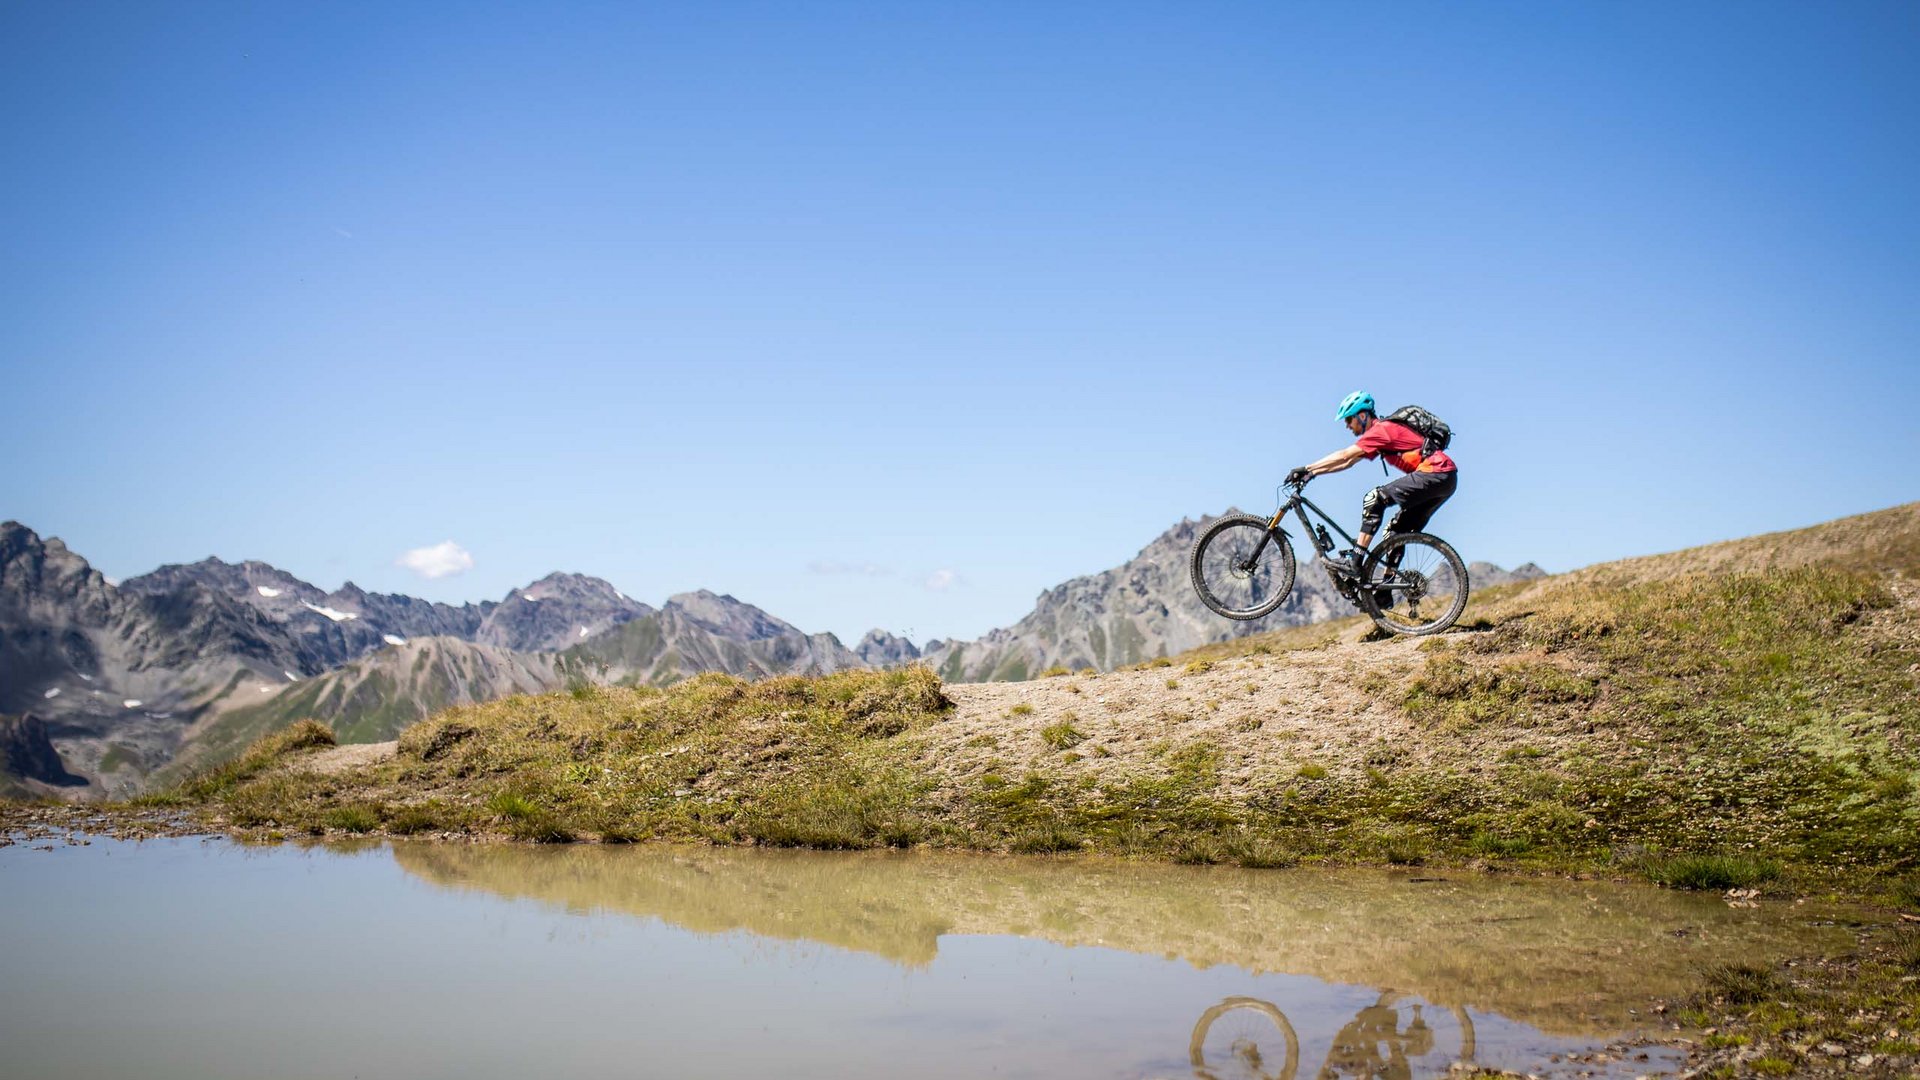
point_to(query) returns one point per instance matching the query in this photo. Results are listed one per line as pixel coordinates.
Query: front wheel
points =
(1415, 584)
(1233, 1031)
(1240, 569)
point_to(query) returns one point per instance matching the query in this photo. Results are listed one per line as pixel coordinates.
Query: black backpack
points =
(1428, 426)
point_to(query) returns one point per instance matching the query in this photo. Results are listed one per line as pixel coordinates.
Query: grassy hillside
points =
(1750, 702)
(374, 698)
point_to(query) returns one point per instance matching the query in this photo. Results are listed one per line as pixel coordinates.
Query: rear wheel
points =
(1239, 570)
(1415, 584)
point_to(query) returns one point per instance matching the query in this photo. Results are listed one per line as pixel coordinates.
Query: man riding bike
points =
(1429, 481)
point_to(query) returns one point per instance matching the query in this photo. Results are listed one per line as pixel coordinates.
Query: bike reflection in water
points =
(1245, 1037)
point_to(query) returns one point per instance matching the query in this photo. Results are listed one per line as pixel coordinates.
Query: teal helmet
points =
(1357, 402)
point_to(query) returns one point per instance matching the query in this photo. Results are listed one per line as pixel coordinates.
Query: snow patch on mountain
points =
(331, 613)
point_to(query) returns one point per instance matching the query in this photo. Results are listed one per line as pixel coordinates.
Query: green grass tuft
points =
(428, 816)
(1487, 843)
(1709, 871)
(1904, 892)
(1906, 948)
(1260, 853)
(353, 819)
(1741, 984)
(1062, 735)
(1044, 837)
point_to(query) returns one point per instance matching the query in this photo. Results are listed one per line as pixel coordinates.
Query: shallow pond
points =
(202, 958)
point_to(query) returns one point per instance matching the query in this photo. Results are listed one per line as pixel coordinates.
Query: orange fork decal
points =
(1275, 521)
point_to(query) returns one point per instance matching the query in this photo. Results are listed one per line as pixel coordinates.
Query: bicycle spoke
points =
(1239, 571)
(1416, 585)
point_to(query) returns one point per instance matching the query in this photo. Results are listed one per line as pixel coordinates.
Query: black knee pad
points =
(1373, 506)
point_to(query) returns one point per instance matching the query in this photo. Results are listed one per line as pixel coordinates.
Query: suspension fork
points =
(1273, 525)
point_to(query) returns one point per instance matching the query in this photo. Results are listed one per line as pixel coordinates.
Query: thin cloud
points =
(443, 559)
(942, 580)
(823, 566)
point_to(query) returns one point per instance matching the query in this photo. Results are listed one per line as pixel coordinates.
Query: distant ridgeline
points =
(139, 682)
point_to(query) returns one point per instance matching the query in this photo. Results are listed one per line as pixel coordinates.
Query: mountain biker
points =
(1429, 481)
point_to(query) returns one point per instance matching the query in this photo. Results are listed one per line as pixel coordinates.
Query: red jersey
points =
(1402, 446)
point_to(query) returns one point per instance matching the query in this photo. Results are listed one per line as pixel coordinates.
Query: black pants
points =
(1417, 495)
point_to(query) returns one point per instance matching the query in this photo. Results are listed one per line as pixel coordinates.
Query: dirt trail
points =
(339, 759)
(1265, 713)
(1269, 715)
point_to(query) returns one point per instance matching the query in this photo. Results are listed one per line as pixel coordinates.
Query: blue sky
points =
(897, 314)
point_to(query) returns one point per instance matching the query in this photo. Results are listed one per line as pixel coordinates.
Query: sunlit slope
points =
(1754, 700)
(375, 698)
(1881, 544)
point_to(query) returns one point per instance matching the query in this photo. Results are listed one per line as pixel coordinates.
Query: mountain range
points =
(132, 684)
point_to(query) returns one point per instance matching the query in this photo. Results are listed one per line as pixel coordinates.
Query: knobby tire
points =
(1223, 586)
(1442, 556)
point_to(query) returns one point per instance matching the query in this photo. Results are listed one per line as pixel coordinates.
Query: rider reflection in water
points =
(1429, 481)
(1356, 1050)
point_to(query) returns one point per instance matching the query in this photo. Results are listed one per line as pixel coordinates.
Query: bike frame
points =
(1300, 504)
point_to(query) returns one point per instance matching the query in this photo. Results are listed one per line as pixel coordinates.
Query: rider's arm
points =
(1344, 458)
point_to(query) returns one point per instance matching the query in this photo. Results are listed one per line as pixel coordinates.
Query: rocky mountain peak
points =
(41, 576)
(727, 616)
(252, 580)
(578, 587)
(883, 649)
(556, 612)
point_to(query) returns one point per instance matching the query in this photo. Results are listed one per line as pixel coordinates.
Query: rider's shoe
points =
(1350, 563)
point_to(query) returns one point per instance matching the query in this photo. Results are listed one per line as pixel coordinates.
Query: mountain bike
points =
(1391, 1037)
(1411, 582)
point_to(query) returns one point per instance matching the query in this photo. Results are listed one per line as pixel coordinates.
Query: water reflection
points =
(1233, 1032)
(1238, 1038)
(427, 960)
(1568, 958)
